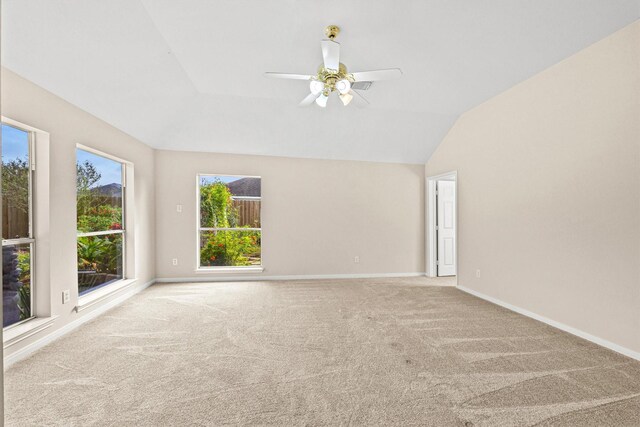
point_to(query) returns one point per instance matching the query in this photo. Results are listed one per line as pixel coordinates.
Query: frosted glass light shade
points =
(322, 100)
(343, 86)
(346, 98)
(316, 87)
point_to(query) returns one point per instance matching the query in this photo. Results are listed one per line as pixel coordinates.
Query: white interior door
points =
(446, 227)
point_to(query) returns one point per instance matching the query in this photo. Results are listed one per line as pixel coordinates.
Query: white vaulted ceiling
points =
(187, 75)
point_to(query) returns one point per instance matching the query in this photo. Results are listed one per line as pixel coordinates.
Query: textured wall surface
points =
(317, 215)
(549, 191)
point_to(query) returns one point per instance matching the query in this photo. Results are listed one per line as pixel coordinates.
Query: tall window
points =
(17, 230)
(100, 220)
(229, 230)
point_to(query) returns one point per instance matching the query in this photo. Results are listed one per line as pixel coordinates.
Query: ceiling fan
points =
(333, 76)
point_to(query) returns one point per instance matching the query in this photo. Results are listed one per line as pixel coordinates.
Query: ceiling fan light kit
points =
(333, 76)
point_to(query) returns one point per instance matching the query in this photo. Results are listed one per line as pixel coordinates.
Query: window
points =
(100, 183)
(229, 229)
(17, 229)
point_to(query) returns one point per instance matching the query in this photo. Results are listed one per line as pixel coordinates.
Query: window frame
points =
(31, 240)
(89, 294)
(200, 229)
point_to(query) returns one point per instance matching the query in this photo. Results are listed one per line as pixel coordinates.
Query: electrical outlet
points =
(179, 208)
(477, 273)
(356, 259)
(175, 261)
(66, 296)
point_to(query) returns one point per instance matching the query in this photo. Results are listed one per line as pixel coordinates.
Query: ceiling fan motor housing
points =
(331, 77)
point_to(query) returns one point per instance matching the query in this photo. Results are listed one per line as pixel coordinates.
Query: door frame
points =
(431, 208)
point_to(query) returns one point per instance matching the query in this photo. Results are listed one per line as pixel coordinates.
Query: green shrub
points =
(24, 264)
(15, 183)
(99, 253)
(216, 206)
(24, 292)
(24, 301)
(224, 247)
(230, 248)
(100, 218)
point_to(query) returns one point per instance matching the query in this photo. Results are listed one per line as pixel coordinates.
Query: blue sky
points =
(225, 179)
(110, 170)
(15, 144)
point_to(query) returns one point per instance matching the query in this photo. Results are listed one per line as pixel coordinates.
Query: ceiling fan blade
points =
(359, 100)
(364, 85)
(372, 76)
(308, 100)
(288, 76)
(330, 54)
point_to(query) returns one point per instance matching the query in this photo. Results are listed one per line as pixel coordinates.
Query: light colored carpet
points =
(355, 352)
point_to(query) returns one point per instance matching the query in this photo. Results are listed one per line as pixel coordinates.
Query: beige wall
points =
(549, 192)
(317, 215)
(67, 125)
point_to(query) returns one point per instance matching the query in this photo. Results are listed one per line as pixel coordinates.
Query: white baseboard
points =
(46, 339)
(253, 278)
(573, 331)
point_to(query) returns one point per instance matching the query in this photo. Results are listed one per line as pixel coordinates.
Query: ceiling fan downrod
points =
(332, 31)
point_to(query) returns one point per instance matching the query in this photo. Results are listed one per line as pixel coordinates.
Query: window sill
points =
(227, 270)
(31, 327)
(86, 301)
